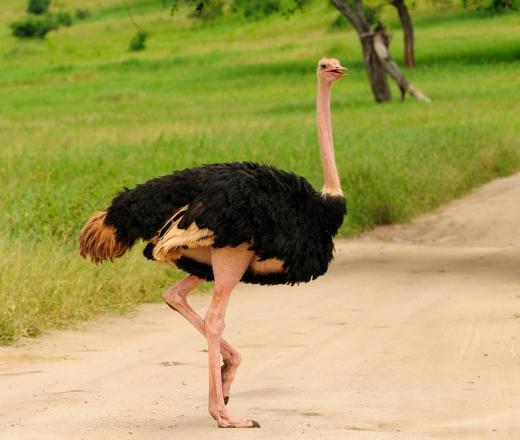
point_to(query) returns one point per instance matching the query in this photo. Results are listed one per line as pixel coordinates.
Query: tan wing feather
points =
(167, 244)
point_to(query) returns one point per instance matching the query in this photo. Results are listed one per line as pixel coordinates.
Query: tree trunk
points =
(377, 74)
(378, 62)
(380, 44)
(406, 24)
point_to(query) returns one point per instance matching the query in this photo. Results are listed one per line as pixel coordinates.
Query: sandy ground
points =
(413, 334)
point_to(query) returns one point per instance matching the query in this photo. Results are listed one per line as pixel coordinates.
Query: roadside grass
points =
(44, 287)
(81, 117)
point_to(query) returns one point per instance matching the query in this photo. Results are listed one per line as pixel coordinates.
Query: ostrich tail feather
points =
(99, 241)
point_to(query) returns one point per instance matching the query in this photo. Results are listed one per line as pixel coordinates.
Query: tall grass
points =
(80, 118)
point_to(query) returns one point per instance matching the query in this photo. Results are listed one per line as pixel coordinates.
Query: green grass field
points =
(81, 117)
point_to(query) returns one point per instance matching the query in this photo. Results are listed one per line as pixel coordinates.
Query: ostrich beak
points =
(340, 71)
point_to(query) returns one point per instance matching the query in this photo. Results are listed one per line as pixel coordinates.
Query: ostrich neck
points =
(330, 172)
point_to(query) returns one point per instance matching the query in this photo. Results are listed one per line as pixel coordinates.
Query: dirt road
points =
(413, 334)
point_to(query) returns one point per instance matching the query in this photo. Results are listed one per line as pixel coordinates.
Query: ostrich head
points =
(330, 70)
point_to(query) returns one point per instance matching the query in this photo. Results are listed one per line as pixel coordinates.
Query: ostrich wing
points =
(171, 237)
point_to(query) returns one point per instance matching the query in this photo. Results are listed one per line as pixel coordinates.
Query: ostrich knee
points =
(173, 299)
(175, 296)
(214, 325)
(233, 358)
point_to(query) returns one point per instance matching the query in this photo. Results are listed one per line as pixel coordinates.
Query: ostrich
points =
(228, 223)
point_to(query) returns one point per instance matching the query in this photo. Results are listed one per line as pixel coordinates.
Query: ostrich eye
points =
(323, 66)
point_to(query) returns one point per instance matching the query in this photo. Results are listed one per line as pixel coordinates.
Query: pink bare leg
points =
(229, 264)
(176, 298)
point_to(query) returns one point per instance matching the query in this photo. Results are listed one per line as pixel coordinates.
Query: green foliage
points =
(251, 9)
(339, 23)
(82, 13)
(8, 329)
(38, 7)
(500, 6)
(33, 27)
(373, 13)
(138, 41)
(199, 9)
(256, 9)
(39, 27)
(493, 7)
(206, 9)
(63, 18)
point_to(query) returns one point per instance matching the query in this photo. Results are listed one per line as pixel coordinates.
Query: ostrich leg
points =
(229, 264)
(175, 298)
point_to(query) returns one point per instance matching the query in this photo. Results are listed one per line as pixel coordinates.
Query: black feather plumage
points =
(279, 213)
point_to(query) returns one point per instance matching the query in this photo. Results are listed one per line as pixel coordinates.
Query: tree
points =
(376, 56)
(376, 72)
(381, 42)
(406, 25)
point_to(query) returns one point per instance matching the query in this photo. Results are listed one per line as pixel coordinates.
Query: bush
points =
(64, 18)
(207, 10)
(33, 27)
(7, 330)
(38, 7)
(138, 41)
(493, 7)
(82, 14)
(339, 23)
(499, 6)
(257, 9)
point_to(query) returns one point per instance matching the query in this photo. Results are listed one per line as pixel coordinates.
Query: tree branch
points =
(349, 14)
(391, 67)
(407, 26)
(359, 8)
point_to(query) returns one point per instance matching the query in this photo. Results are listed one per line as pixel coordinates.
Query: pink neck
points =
(330, 172)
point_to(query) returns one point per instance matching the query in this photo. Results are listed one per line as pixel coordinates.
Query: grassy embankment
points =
(81, 117)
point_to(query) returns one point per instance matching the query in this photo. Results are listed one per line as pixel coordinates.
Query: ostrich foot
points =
(225, 420)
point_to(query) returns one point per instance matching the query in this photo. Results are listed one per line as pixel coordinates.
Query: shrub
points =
(207, 10)
(493, 7)
(33, 27)
(7, 330)
(138, 41)
(499, 6)
(257, 9)
(64, 18)
(339, 23)
(38, 7)
(82, 14)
